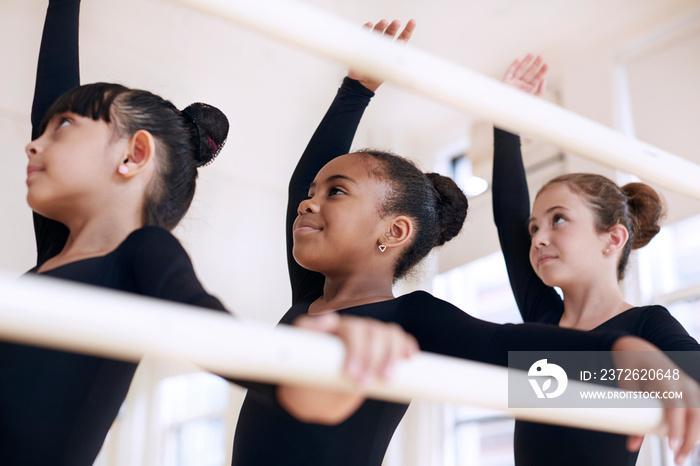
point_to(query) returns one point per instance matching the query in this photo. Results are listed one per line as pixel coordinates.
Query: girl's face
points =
(70, 163)
(566, 247)
(340, 226)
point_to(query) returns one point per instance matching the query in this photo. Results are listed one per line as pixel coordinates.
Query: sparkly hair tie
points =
(215, 148)
(212, 142)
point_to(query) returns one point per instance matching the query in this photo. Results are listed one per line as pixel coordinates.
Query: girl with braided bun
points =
(578, 237)
(357, 222)
(111, 171)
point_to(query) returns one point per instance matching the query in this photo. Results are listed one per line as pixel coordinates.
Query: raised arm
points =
(58, 67)
(332, 138)
(511, 206)
(57, 72)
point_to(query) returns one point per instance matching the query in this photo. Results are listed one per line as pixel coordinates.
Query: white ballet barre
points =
(439, 79)
(64, 315)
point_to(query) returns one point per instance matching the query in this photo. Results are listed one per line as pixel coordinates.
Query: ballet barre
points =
(406, 66)
(58, 314)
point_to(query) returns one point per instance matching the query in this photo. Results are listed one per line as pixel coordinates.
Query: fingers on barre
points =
(372, 347)
(389, 29)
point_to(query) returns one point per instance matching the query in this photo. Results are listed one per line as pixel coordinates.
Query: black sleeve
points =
(57, 72)
(162, 269)
(332, 138)
(58, 67)
(443, 328)
(663, 330)
(511, 212)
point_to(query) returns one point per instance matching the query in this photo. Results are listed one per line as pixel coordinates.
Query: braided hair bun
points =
(646, 210)
(452, 206)
(209, 131)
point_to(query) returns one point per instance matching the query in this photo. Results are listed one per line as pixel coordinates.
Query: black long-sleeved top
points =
(267, 435)
(538, 302)
(57, 407)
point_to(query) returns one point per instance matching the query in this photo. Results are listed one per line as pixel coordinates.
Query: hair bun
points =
(452, 206)
(210, 131)
(646, 209)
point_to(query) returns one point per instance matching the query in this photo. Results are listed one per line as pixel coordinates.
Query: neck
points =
(340, 292)
(586, 307)
(95, 235)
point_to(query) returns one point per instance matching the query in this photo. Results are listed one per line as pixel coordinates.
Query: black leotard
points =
(266, 434)
(540, 444)
(57, 407)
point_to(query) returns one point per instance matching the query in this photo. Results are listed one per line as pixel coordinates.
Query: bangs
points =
(91, 101)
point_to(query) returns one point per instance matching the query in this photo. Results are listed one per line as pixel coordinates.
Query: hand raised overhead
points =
(387, 29)
(528, 75)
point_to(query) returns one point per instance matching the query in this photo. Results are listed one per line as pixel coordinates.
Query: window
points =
(479, 437)
(669, 272)
(463, 175)
(481, 288)
(192, 419)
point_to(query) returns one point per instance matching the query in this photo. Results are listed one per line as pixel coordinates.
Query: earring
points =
(123, 169)
(382, 247)
(607, 250)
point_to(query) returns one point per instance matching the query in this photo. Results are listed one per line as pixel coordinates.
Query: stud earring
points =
(607, 250)
(123, 169)
(382, 247)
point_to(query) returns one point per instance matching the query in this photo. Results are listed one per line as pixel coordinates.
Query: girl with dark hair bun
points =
(175, 142)
(578, 237)
(355, 223)
(111, 170)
